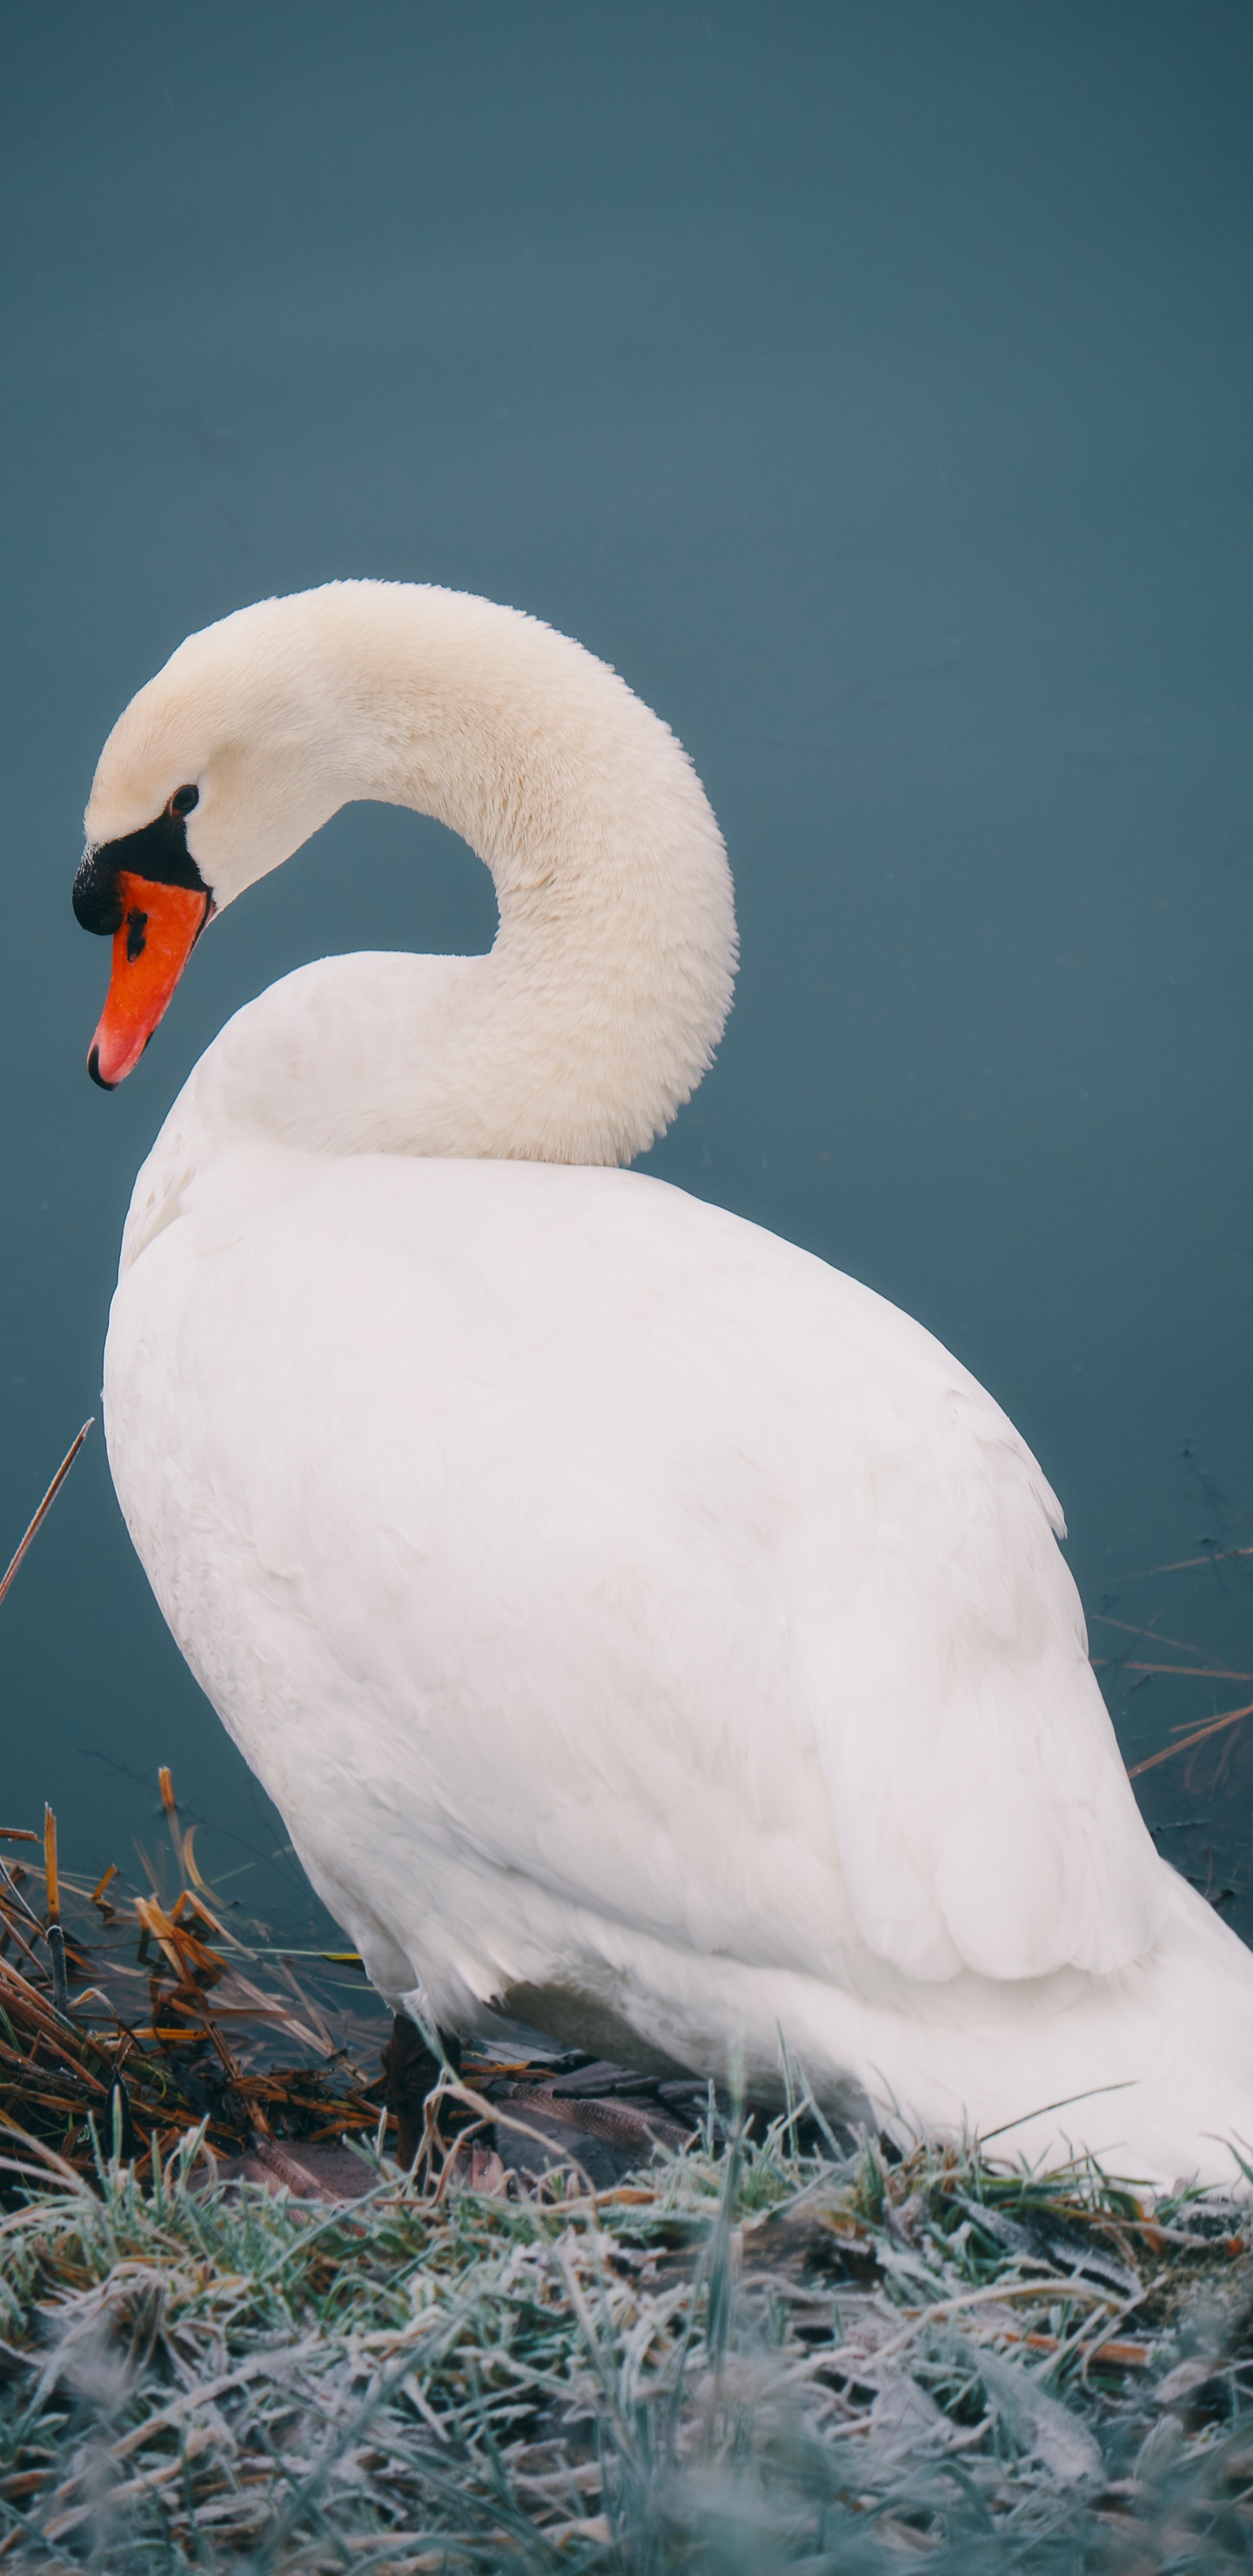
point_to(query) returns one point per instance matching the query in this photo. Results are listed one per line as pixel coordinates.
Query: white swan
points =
(636, 1621)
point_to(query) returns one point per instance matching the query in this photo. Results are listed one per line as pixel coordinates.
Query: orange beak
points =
(159, 928)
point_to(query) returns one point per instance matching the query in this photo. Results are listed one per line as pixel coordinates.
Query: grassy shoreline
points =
(755, 2353)
(747, 2359)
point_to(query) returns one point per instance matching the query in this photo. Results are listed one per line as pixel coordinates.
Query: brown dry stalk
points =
(1186, 1742)
(51, 1874)
(35, 1525)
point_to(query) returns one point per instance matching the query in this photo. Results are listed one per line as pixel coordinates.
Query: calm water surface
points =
(873, 387)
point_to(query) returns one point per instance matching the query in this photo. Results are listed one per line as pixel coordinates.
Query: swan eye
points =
(183, 799)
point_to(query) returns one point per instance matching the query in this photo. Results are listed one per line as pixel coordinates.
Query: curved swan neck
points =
(604, 995)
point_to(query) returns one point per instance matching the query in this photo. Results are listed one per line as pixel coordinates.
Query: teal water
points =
(873, 387)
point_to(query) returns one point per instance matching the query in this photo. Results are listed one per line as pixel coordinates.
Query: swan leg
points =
(412, 2072)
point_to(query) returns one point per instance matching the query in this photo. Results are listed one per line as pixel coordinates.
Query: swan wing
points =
(549, 1531)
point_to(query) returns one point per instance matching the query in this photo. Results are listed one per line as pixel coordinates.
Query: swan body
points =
(639, 1624)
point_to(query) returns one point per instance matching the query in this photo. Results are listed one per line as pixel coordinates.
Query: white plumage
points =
(635, 1620)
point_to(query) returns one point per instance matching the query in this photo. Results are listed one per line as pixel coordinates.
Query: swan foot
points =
(412, 2072)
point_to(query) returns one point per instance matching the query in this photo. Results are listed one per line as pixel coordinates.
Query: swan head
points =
(601, 1002)
(218, 770)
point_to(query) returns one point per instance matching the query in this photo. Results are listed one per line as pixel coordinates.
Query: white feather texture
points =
(629, 1614)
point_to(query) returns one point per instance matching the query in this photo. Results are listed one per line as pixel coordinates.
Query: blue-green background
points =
(871, 384)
